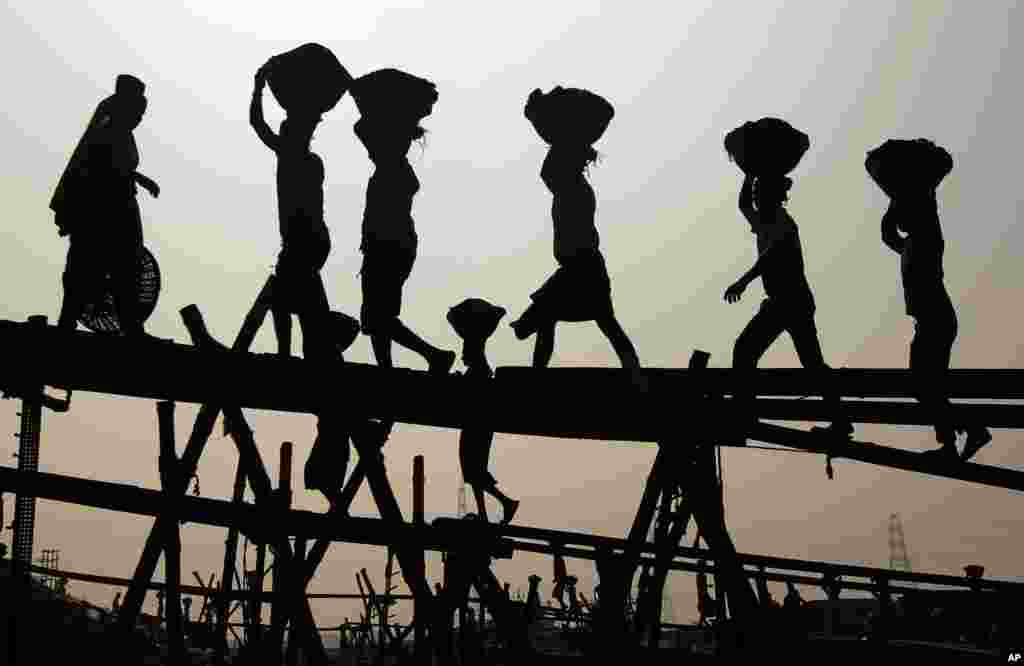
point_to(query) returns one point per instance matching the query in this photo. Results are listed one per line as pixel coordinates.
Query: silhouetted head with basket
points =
(391, 104)
(307, 82)
(570, 120)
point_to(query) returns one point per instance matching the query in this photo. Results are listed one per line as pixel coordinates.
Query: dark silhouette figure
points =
(328, 460)
(391, 104)
(570, 120)
(909, 173)
(305, 240)
(95, 205)
(533, 599)
(563, 581)
(475, 320)
(789, 306)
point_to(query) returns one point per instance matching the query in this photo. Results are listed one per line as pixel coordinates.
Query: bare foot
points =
(976, 438)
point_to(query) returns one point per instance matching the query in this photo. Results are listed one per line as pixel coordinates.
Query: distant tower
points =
(898, 558)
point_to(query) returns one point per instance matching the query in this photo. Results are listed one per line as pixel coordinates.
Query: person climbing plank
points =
(910, 172)
(391, 103)
(766, 151)
(305, 239)
(95, 204)
(475, 320)
(570, 120)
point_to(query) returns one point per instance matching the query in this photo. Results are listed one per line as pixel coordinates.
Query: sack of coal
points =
(569, 115)
(308, 79)
(767, 147)
(908, 165)
(394, 94)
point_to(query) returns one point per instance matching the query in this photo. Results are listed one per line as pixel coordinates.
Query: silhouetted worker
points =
(475, 320)
(570, 121)
(789, 305)
(391, 104)
(305, 240)
(909, 172)
(328, 460)
(95, 204)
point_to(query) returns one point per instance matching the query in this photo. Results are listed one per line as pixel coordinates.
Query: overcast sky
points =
(850, 74)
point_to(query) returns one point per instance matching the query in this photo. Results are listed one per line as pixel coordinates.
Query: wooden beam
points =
(223, 513)
(988, 475)
(608, 405)
(442, 535)
(971, 384)
(201, 431)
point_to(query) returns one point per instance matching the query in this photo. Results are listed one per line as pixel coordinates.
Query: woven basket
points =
(101, 316)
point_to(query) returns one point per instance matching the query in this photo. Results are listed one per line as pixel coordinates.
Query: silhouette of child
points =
(305, 240)
(789, 306)
(391, 103)
(475, 320)
(913, 210)
(100, 184)
(580, 289)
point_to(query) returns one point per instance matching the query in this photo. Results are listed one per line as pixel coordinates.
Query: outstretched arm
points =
(747, 199)
(891, 235)
(263, 130)
(733, 293)
(148, 183)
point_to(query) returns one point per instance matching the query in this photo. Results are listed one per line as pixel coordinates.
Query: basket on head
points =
(767, 147)
(392, 94)
(569, 115)
(475, 318)
(902, 165)
(308, 80)
(100, 315)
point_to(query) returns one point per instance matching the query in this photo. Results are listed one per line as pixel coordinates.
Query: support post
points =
(168, 464)
(228, 570)
(257, 614)
(201, 431)
(420, 612)
(25, 504)
(278, 609)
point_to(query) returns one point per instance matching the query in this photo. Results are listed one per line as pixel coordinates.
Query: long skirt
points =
(579, 290)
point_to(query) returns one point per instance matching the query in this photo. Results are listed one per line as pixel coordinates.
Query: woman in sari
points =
(95, 205)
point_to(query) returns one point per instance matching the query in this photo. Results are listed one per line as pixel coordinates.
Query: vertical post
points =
(228, 570)
(418, 483)
(257, 615)
(25, 505)
(418, 510)
(201, 430)
(882, 625)
(168, 464)
(279, 607)
(295, 583)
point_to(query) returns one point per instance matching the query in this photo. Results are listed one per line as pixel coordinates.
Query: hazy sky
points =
(850, 74)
